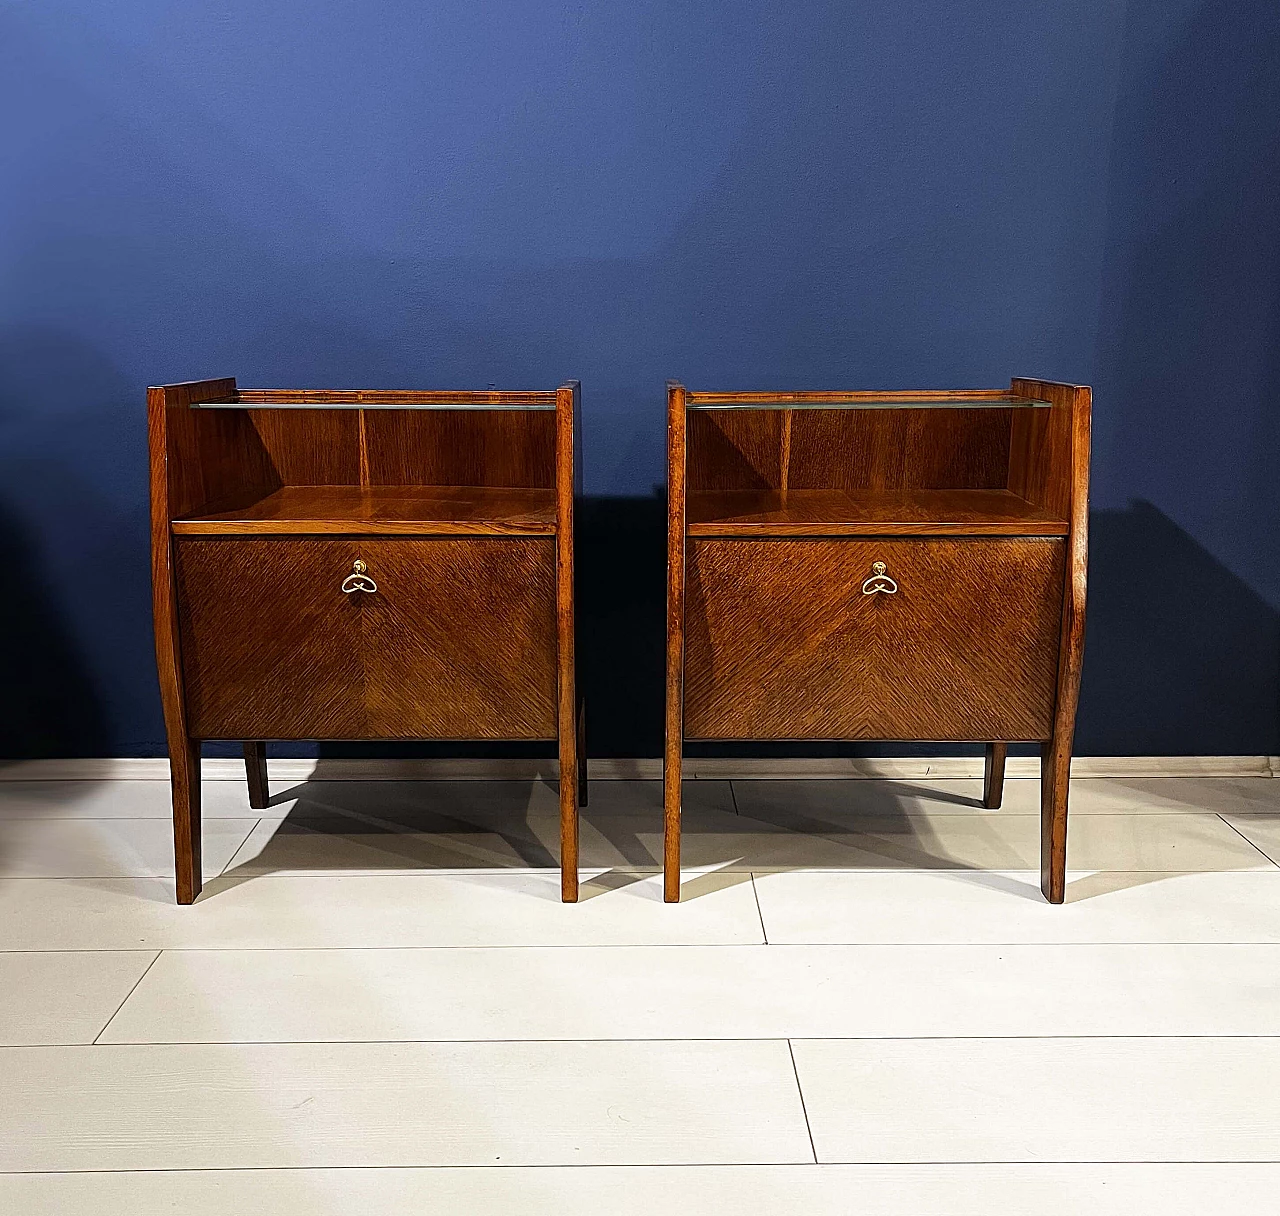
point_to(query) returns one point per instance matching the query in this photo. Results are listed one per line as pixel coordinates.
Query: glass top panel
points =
(369, 405)
(357, 399)
(871, 401)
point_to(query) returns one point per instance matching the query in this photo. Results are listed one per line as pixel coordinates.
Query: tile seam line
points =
(1246, 839)
(1020, 1162)
(795, 1068)
(744, 945)
(145, 972)
(789, 1039)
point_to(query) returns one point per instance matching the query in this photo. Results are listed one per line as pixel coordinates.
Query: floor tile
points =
(354, 910)
(65, 997)
(847, 800)
(380, 1104)
(692, 992)
(108, 848)
(1262, 830)
(950, 906)
(116, 800)
(1042, 1099)
(380, 827)
(794, 833)
(796, 1190)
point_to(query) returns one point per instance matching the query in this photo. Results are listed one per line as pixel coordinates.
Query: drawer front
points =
(782, 641)
(457, 642)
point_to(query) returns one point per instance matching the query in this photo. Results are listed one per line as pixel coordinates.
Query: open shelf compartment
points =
(980, 462)
(260, 462)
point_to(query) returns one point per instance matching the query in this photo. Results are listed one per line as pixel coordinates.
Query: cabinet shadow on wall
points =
(1182, 656)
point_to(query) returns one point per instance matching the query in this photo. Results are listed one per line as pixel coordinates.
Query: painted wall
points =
(882, 193)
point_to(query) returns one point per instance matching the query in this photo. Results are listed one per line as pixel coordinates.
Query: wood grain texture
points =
(290, 656)
(439, 447)
(900, 449)
(407, 510)
(307, 447)
(568, 482)
(836, 512)
(1072, 407)
(782, 643)
(734, 451)
(673, 752)
(993, 775)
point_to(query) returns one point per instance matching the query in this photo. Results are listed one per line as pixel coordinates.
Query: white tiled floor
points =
(862, 1003)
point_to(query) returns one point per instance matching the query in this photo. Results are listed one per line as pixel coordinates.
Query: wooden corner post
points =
(568, 708)
(1057, 460)
(170, 439)
(674, 750)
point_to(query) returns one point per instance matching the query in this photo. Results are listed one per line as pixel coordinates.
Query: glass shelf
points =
(863, 401)
(358, 399)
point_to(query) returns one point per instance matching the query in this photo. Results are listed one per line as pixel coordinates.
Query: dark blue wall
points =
(765, 193)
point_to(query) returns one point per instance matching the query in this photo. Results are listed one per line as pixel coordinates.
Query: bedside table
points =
(342, 565)
(879, 566)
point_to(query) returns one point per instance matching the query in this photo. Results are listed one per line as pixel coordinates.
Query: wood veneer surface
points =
(289, 655)
(833, 512)
(782, 643)
(348, 509)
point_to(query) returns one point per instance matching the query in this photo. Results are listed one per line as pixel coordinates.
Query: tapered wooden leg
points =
(993, 775)
(255, 767)
(184, 769)
(1055, 775)
(582, 753)
(671, 770)
(569, 809)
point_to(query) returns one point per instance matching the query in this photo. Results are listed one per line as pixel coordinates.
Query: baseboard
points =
(887, 768)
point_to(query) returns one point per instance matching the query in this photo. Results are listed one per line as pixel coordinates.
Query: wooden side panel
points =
(783, 643)
(1055, 464)
(204, 455)
(1040, 454)
(461, 447)
(309, 447)
(193, 458)
(457, 642)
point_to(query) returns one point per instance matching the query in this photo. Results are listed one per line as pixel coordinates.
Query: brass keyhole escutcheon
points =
(358, 579)
(879, 582)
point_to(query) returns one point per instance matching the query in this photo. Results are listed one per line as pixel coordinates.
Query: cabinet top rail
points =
(390, 399)
(968, 399)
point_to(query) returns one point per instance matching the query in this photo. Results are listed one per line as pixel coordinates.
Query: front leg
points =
(184, 771)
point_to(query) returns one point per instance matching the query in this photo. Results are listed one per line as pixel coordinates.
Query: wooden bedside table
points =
(362, 565)
(889, 566)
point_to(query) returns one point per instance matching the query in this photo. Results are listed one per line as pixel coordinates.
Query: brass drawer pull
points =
(358, 580)
(879, 581)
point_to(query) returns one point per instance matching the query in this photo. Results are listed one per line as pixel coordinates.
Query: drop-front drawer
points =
(812, 639)
(433, 638)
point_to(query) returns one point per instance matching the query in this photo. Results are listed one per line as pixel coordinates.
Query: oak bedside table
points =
(887, 566)
(362, 565)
